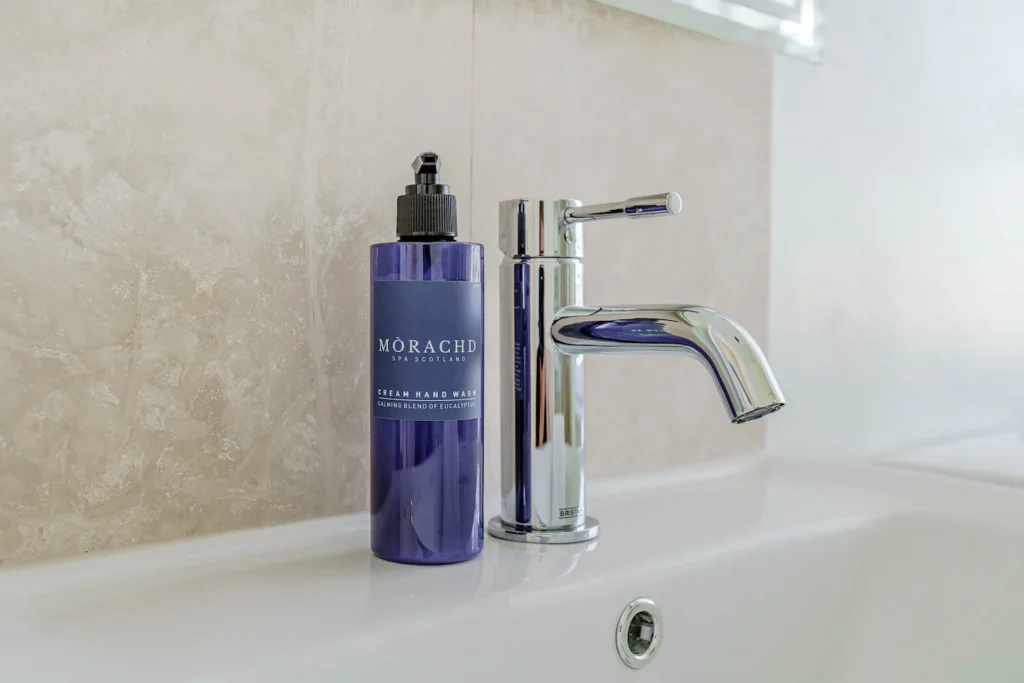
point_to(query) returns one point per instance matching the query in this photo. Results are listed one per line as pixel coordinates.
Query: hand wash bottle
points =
(427, 385)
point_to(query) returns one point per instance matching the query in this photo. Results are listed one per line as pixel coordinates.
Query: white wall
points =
(897, 303)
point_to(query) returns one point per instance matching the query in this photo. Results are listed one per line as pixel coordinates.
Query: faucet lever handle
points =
(647, 206)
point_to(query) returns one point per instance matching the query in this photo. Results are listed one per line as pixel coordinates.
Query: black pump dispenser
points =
(427, 210)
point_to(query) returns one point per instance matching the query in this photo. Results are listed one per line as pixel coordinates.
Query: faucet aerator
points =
(757, 413)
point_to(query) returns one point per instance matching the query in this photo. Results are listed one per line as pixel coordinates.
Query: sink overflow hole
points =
(638, 633)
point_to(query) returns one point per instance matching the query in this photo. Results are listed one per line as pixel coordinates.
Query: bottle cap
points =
(427, 209)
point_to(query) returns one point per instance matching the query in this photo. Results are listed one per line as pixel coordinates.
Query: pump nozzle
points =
(427, 168)
(426, 209)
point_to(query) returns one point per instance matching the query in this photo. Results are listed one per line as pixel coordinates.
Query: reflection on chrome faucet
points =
(733, 358)
(545, 331)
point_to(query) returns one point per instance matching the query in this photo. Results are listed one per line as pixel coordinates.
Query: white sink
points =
(764, 570)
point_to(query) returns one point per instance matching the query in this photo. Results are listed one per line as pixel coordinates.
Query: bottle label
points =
(427, 350)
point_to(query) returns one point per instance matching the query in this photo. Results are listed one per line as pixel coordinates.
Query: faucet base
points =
(523, 534)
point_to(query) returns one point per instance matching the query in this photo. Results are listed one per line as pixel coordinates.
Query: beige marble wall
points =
(188, 190)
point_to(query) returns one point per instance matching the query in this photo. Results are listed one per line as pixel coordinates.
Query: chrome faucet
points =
(545, 331)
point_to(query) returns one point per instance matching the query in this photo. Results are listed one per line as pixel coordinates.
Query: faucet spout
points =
(735, 361)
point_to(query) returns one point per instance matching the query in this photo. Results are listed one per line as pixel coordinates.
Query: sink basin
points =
(763, 569)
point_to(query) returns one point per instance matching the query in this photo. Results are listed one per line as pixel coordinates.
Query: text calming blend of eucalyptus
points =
(427, 386)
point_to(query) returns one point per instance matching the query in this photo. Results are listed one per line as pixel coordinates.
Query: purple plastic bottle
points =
(426, 404)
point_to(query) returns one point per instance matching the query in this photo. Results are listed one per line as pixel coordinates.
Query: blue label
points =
(427, 350)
